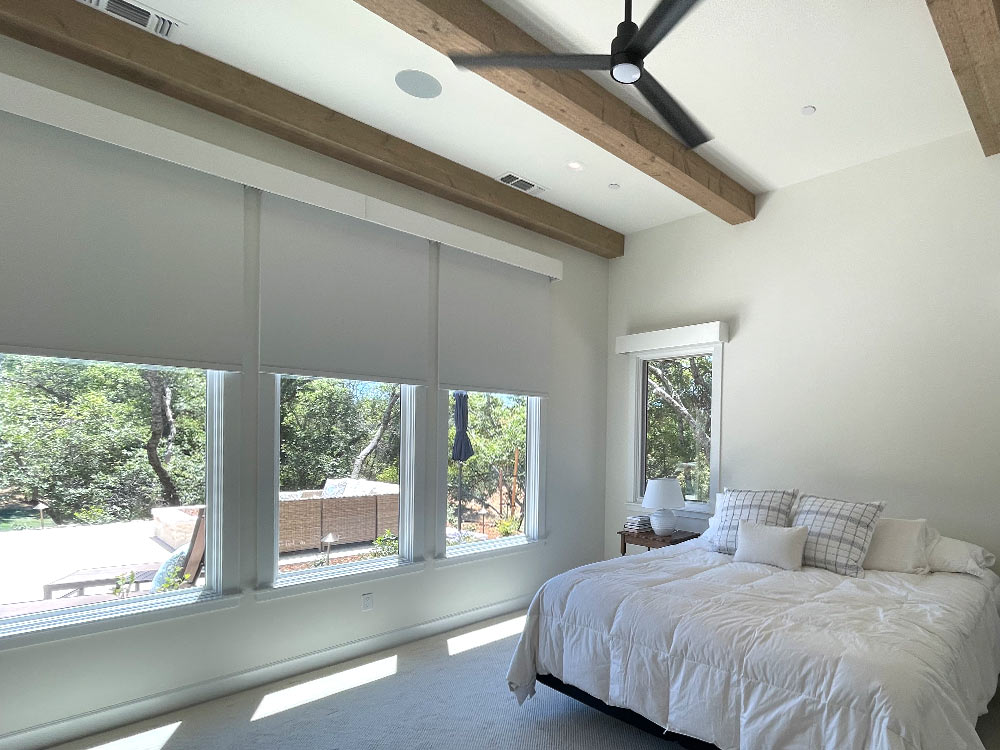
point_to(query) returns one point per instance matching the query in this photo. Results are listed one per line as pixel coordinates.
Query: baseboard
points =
(82, 725)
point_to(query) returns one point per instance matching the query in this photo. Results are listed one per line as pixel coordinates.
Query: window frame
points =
(272, 583)
(715, 349)
(221, 569)
(534, 487)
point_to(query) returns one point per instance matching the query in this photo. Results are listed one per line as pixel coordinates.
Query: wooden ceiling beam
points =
(970, 33)
(571, 99)
(74, 31)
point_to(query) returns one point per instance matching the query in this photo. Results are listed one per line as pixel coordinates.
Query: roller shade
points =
(341, 296)
(493, 325)
(105, 252)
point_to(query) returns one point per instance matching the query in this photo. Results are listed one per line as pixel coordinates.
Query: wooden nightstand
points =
(649, 540)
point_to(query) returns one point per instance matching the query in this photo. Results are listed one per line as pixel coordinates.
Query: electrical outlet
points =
(367, 602)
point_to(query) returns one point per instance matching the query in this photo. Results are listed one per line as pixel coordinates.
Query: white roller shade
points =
(341, 296)
(494, 325)
(108, 253)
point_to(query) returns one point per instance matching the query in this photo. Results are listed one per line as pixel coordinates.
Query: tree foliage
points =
(679, 421)
(326, 426)
(498, 430)
(77, 435)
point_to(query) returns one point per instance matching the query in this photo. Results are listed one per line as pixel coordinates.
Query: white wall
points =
(58, 689)
(864, 361)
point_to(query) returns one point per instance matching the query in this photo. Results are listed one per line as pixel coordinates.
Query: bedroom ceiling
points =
(875, 71)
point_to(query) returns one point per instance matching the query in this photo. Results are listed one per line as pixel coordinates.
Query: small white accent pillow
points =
(899, 545)
(949, 555)
(770, 545)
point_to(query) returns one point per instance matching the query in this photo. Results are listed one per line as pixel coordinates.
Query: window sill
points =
(484, 550)
(27, 630)
(321, 579)
(701, 511)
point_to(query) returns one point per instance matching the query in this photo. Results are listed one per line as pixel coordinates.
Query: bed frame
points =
(623, 714)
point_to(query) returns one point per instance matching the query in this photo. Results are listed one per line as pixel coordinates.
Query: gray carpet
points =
(432, 701)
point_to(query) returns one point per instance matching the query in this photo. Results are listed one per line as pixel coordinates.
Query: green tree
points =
(679, 421)
(78, 435)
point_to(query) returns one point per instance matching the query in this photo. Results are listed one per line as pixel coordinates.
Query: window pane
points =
(339, 469)
(102, 481)
(679, 422)
(486, 492)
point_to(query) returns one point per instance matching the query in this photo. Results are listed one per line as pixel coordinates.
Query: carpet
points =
(447, 692)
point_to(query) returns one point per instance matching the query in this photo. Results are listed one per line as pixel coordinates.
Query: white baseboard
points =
(82, 725)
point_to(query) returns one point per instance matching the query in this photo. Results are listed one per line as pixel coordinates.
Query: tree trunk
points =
(373, 444)
(161, 425)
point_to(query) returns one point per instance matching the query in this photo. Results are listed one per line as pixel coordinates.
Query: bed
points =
(747, 656)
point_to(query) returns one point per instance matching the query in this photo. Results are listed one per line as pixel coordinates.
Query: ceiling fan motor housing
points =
(626, 67)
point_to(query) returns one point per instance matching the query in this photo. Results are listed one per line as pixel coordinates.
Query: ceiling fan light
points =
(626, 72)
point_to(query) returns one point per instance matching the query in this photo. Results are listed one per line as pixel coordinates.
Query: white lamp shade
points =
(663, 493)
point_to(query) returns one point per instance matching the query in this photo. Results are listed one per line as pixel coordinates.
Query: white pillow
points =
(770, 545)
(713, 526)
(949, 555)
(898, 545)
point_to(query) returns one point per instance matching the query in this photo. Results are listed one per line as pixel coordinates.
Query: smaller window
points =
(339, 491)
(489, 495)
(677, 423)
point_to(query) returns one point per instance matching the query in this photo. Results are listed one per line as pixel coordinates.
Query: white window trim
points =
(269, 481)
(222, 399)
(715, 349)
(534, 511)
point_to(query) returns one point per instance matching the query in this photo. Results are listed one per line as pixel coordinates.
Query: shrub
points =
(386, 545)
(509, 526)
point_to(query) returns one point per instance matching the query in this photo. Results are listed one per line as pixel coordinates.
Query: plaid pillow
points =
(769, 507)
(839, 532)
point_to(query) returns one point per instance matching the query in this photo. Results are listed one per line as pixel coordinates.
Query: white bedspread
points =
(751, 657)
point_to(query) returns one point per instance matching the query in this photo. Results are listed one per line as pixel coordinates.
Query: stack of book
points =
(638, 524)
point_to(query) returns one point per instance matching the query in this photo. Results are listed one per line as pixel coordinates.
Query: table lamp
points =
(662, 495)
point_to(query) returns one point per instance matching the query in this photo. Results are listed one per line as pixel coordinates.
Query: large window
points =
(677, 423)
(104, 482)
(490, 476)
(340, 447)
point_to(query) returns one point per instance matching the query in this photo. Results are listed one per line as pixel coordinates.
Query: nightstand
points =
(649, 540)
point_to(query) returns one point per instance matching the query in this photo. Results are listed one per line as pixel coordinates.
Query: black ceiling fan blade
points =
(658, 24)
(675, 115)
(530, 61)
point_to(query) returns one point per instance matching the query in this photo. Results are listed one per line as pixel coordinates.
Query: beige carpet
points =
(418, 697)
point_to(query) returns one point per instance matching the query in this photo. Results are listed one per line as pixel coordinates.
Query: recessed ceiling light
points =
(575, 166)
(613, 186)
(418, 83)
(808, 110)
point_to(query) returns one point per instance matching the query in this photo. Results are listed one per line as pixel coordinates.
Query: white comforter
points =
(751, 657)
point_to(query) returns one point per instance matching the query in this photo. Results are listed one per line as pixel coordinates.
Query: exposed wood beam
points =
(970, 33)
(571, 99)
(72, 30)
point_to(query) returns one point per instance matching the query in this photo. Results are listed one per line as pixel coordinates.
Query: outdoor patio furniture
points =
(79, 580)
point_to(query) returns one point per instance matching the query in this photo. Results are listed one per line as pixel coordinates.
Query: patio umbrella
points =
(461, 449)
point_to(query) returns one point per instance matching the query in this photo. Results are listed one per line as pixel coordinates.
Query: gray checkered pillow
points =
(839, 532)
(769, 507)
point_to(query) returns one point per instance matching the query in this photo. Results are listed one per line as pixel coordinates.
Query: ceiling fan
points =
(629, 49)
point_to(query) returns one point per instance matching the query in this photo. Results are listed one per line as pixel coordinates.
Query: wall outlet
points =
(367, 602)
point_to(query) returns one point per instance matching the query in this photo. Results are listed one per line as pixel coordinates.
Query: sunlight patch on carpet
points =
(482, 636)
(152, 739)
(324, 687)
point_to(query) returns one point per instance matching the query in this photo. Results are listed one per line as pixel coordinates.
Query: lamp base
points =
(663, 522)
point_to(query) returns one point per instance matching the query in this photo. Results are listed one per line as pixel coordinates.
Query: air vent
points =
(143, 17)
(129, 12)
(519, 183)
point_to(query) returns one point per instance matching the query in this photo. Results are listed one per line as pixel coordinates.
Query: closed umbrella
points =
(461, 449)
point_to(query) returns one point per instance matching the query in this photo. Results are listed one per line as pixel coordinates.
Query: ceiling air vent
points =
(146, 18)
(519, 183)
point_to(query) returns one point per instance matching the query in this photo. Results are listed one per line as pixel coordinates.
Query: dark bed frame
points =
(623, 714)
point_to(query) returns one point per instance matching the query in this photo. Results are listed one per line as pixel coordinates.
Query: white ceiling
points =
(874, 69)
